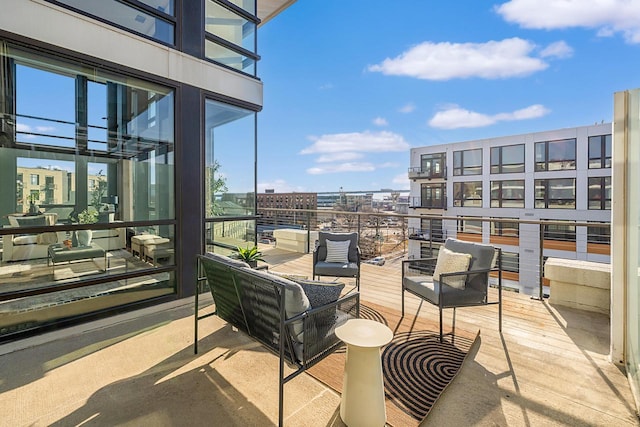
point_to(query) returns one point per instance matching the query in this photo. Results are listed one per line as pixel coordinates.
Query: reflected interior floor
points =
(36, 274)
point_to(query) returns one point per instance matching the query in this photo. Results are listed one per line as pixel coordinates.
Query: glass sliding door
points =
(86, 166)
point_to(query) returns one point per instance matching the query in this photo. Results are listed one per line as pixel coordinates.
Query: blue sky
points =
(350, 86)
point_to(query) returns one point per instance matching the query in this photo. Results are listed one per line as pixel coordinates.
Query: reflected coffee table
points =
(362, 402)
(60, 253)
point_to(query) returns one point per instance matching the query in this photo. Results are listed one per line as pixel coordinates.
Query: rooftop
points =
(549, 366)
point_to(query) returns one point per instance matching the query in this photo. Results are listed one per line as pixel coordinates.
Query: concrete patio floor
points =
(548, 367)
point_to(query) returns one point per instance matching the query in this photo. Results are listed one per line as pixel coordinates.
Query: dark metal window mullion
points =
(231, 46)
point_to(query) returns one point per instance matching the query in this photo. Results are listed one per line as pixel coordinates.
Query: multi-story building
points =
(292, 201)
(561, 175)
(148, 105)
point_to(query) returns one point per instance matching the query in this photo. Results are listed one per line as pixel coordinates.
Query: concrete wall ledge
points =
(579, 284)
(294, 240)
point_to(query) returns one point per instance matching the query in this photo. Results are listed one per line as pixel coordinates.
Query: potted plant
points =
(83, 237)
(249, 255)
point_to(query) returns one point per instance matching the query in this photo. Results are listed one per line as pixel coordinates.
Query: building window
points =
(600, 192)
(467, 162)
(469, 226)
(467, 194)
(431, 166)
(430, 229)
(35, 179)
(511, 262)
(507, 194)
(555, 193)
(600, 151)
(565, 232)
(556, 155)
(507, 159)
(505, 229)
(230, 36)
(432, 196)
(599, 234)
(150, 18)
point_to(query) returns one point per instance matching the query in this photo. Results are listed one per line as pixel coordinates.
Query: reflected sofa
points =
(24, 247)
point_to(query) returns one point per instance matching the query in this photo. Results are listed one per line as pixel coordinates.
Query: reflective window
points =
(600, 151)
(229, 160)
(555, 193)
(507, 159)
(511, 261)
(564, 231)
(507, 194)
(556, 155)
(127, 15)
(600, 192)
(469, 226)
(88, 150)
(467, 194)
(467, 162)
(230, 37)
(433, 195)
(505, 229)
(599, 233)
(432, 165)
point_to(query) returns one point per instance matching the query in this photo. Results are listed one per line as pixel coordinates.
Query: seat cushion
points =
(335, 269)
(338, 251)
(429, 289)
(452, 262)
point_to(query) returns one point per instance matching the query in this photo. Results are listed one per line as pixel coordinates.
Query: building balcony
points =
(420, 173)
(549, 366)
(423, 203)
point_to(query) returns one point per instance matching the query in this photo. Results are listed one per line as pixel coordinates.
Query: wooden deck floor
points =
(548, 367)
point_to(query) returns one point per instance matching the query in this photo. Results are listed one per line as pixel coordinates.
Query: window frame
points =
(500, 199)
(604, 142)
(459, 194)
(603, 202)
(499, 166)
(546, 199)
(434, 186)
(461, 169)
(544, 164)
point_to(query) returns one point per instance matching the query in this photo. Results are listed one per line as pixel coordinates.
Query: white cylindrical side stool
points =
(362, 402)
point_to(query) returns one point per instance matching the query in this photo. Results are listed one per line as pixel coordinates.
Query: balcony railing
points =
(428, 203)
(418, 172)
(527, 245)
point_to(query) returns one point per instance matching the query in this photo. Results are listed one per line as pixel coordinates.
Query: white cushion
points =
(338, 251)
(30, 239)
(452, 262)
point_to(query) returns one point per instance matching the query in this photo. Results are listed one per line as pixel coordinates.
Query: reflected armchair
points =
(335, 257)
(459, 277)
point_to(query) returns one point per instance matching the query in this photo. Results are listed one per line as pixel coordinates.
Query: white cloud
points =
(326, 86)
(26, 129)
(280, 186)
(455, 117)
(402, 182)
(557, 50)
(407, 108)
(339, 157)
(45, 128)
(342, 167)
(445, 61)
(388, 165)
(380, 121)
(606, 16)
(357, 142)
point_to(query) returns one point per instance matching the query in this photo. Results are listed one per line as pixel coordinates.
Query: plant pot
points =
(84, 237)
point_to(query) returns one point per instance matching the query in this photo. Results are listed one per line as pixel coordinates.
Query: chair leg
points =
(440, 307)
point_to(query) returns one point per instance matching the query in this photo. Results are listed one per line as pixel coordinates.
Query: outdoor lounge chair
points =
(277, 312)
(448, 283)
(330, 257)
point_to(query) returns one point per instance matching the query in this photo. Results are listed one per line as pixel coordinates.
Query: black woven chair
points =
(261, 304)
(350, 268)
(417, 279)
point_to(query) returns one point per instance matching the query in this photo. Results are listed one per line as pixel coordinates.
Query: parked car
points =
(379, 260)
